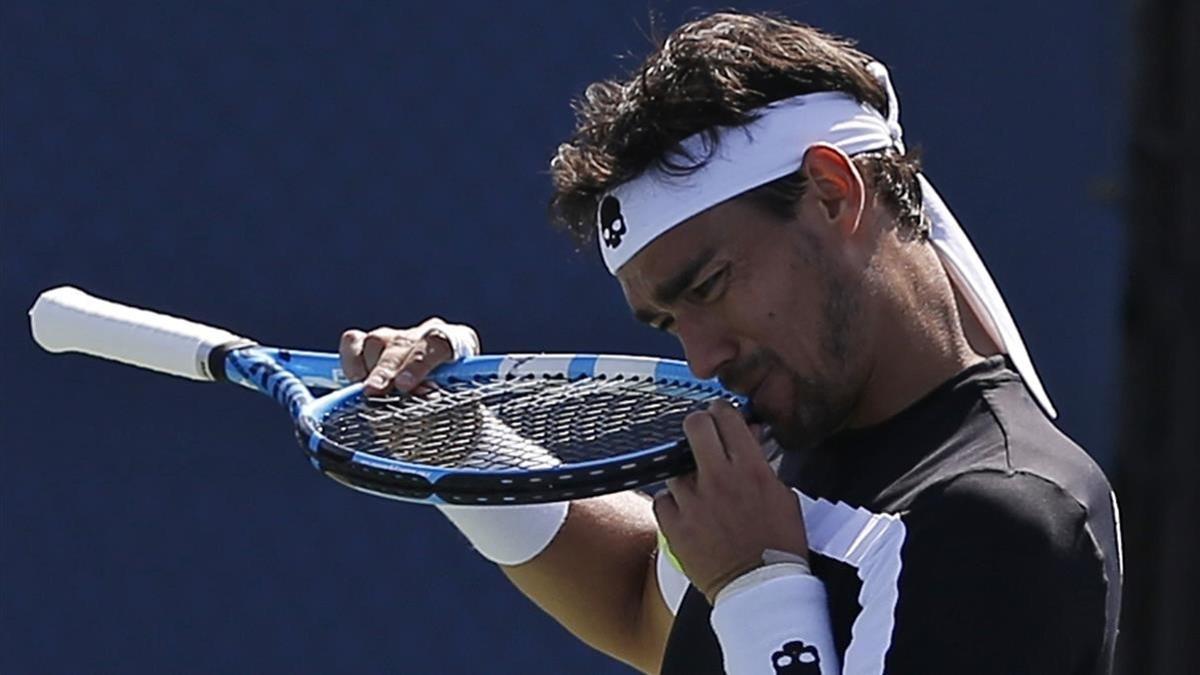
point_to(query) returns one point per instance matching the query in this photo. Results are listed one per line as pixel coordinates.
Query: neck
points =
(920, 339)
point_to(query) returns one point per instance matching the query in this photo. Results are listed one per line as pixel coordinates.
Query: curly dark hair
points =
(714, 72)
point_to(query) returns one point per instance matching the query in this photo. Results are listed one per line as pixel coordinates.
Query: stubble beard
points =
(822, 402)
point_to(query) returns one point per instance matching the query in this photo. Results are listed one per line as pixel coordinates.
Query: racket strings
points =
(527, 423)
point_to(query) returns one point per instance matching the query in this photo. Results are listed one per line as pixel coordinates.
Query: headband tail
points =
(968, 273)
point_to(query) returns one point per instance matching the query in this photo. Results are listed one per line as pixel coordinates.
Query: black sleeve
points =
(999, 575)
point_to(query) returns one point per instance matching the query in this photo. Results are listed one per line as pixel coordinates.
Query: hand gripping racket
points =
(512, 429)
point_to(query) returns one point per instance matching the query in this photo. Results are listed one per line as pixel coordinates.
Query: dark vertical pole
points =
(1158, 462)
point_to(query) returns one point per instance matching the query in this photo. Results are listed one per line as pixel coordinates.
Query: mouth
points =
(753, 392)
(743, 391)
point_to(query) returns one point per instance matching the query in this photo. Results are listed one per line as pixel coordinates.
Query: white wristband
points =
(774, 618)
(508, 535)
(463, 339)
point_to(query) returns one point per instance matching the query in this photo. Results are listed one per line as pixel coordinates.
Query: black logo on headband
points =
(612, 223)
(796, 658)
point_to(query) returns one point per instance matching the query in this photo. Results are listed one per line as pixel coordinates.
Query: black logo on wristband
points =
(612, 223)
(796, 658)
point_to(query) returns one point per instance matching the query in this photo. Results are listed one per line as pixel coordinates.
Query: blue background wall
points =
(289, 170)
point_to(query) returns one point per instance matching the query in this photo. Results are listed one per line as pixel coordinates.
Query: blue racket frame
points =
(289, 376)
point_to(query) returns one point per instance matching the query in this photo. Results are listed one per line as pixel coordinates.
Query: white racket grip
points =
(66, 319)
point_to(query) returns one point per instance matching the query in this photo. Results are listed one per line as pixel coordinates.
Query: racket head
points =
(513, 429)
(580, 424)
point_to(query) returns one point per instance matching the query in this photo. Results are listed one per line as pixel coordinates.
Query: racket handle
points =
(66, 319)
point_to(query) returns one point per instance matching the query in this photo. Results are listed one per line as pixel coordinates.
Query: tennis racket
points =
(511, 429)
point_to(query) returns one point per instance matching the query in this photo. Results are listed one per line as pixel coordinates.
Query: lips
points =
(754, 391)
(737, 387)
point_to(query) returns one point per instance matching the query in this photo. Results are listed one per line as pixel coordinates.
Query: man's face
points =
(773, 308)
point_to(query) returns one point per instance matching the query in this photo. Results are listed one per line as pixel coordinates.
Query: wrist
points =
(713, 590)
(462, 340)
(773, 562)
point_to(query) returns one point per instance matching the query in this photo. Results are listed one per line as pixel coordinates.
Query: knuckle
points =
(721, 486)
(351, 335)
(381, 333)
(388, 360)
(420, 359)
(763, 471)
(437, 344)
(405, 335)
(375, 339)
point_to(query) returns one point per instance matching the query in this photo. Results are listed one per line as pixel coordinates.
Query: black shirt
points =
(1001, 551)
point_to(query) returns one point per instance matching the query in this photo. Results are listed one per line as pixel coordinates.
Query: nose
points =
(705, 346)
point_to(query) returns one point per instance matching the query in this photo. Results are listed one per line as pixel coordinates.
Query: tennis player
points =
(749, 188)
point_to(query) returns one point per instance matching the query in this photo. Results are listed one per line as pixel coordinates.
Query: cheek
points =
(785, 315)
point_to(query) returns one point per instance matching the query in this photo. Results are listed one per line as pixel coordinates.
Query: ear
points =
(836, 183)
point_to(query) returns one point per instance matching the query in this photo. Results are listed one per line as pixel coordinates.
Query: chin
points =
(784, 429)
(804, 428)
(792, 439)
(801, 411)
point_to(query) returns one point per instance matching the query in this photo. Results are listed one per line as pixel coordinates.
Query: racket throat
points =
(213, 363)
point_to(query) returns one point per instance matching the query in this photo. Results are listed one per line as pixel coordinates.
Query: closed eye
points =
(708, 289)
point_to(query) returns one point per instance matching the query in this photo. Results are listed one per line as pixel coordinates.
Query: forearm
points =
(597, 579)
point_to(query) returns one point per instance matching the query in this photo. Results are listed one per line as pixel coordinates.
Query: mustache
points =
(739, 375)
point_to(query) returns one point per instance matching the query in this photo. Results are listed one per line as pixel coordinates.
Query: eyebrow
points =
(669, 291)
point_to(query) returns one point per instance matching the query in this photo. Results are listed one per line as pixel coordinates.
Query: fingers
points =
(387, 354)
(666, 511)
(387, 357)
(701, 432)
(739, 441)
(373, 347)
(415, 360)
(350, 353)
(682, 489)
(721, 441)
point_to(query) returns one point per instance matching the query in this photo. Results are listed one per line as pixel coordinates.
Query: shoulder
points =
(996, 490)
(1012, 542)
(994, 559)
(1018, 523)
(1016, 500)
(1035, 448)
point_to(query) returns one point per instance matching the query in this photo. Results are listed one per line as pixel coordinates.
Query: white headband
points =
(637, 212)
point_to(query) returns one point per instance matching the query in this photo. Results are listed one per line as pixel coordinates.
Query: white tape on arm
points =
(509, 535)
(773, 617)
(505, 535)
